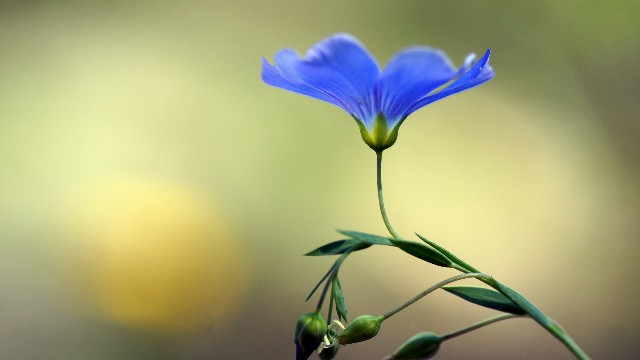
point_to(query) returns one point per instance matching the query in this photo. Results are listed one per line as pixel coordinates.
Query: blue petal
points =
(408, 77)
(338, 70)
(271, 76)
(478, 74)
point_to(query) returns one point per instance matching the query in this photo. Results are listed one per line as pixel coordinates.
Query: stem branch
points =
(478, 325)
(434, 288)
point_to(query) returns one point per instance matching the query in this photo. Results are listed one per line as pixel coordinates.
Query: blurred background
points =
(156, 197)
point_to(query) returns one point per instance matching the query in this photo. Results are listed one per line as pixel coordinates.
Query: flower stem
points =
(383, 212)
(478, 325)
(434, 288)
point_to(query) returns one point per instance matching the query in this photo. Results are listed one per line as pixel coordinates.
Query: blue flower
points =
(339, 70)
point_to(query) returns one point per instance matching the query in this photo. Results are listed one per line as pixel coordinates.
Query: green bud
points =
(360, 329)
(422, 346)
(310, 331)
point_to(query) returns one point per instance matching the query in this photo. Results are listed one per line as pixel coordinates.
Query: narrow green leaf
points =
(341, 306)
(485, 297)
(422, 252)
(320, 282)
(551, 326)
(454, 259)
(336, 265)
(527, 306)
(367, 238)
(341, 246)
(335, 248)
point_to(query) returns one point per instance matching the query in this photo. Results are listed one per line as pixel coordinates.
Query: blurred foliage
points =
(156, 197)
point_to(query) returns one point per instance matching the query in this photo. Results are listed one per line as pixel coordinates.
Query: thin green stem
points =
(383, 212)
(434, 288)
(478, 325)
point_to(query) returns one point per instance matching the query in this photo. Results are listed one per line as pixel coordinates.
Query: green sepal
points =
(335, 248)
(367, 238)
(338, 296)
(379, 137)
(422, 252)
(485, 297)
(456, 261)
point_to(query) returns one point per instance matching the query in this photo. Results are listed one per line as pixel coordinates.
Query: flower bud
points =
(310, 331)
(422, 346)
(360, 329)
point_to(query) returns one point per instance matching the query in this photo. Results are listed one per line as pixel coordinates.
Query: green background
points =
(156, 197)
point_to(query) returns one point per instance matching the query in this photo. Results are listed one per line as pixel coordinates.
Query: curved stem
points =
(383, 212)
(434, 288)
(478, 325)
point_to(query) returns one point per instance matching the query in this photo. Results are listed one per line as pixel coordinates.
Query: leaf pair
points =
(418, 250)
(356, 238)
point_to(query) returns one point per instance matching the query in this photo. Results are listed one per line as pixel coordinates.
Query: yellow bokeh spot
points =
(156, 255)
